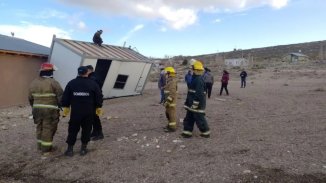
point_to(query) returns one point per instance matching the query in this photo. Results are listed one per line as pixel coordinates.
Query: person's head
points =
(100, 31)
(170, 71)
(225, 72)
(189, 72)
(90, 69)
(198, 68)
(82, 71)
(47, 69)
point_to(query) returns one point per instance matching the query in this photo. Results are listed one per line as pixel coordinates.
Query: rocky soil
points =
(273, 130)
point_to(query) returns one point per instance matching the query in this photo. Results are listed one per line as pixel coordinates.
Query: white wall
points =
(67, 63)
(132, 69)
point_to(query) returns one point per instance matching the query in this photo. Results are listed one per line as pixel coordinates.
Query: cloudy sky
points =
(159, 28)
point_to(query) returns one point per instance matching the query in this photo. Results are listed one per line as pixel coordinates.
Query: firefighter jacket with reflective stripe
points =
(45, 92)
(170, 90)
(196, 96)
(83, 95)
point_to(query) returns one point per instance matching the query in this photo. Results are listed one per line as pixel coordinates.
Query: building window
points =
(121, 81)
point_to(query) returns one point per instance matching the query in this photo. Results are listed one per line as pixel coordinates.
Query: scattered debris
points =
(4, 127)
(220, 99)
(177, 141)
(182, 146)
(247, 171)
(134, 135)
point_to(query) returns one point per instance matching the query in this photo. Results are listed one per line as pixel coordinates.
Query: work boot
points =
(100, 136)
(83, 150)
(168, 129)
(93, 134)
(205, 136)
(186, 135)
(70, 151)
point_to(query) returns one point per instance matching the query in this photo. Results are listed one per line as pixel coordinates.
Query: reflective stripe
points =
(166, 91)
(46, 143)
(192, 91)
(172, 124)
(39, 141)
(196, 102)
(187, 132)
(194, 110)
(206, 133)
(169, 98)
(172, 105)
(45, 106)
(43, 95)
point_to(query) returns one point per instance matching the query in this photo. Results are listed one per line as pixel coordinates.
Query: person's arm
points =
(66, 98)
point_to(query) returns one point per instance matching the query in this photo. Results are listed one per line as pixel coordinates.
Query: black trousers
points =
(209, 87)
(192, 118)
(97, 126)
(243, 82)
(74, 126)
(225, 86)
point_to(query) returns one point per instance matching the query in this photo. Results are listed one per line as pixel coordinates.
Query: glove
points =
(66, 111)
(99, 111)
(166, 103)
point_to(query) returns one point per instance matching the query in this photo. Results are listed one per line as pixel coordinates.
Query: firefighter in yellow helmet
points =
(195, 104)
(170, 94)
(44, 96)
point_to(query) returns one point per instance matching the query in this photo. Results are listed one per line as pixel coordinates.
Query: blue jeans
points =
(162, 96)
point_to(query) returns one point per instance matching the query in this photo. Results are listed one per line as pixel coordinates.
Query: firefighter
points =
(44, 96)
(195, 104)
(170, 95)
(83, 97)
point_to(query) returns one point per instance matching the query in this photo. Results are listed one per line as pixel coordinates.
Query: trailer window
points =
(121, 81)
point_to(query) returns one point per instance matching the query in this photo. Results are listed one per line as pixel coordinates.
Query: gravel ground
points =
(274, 131)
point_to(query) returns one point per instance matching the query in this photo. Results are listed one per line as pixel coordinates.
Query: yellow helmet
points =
(198, 66)
(169, 70)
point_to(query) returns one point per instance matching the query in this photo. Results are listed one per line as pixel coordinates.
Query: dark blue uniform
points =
(83, 95)
(195, 105)
(97, 132)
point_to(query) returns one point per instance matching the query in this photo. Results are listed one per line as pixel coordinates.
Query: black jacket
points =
(94, 77)
(196, 94)
(97, 38)
(243, 74)
(83, 95)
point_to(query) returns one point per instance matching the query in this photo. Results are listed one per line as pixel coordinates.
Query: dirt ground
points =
(273, 130)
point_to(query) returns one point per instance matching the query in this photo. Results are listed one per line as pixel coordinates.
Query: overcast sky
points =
(160, 28)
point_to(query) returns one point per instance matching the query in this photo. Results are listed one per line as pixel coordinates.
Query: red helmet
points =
(48, 67)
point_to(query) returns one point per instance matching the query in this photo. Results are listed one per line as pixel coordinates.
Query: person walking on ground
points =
(84, 98)
(224, 82)
(188, 77)
(97, 132)
(162, 83)
(44, 96)
(209, 81)
(97, 38)
(243, 76)
(170, 92)
(195, 104)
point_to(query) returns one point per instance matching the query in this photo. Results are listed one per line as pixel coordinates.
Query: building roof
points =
(21, 46)
(91, 50)
(298, 54)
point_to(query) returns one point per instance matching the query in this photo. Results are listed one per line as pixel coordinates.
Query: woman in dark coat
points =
(224, 81)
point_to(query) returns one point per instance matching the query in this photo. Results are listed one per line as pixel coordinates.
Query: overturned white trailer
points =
(122, 71)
